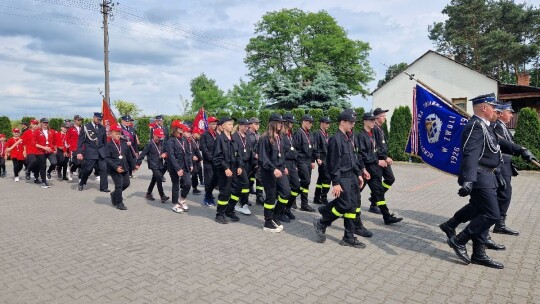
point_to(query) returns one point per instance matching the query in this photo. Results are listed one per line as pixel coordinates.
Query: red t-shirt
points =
(72, 138)
(60, 141)
(29, 141)
(17, 151)
(40, 139)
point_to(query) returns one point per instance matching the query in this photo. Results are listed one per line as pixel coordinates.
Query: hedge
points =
(5, 126)
(400, 125)
(56, 123)
(528, 135)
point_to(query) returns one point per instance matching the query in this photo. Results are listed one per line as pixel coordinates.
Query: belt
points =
(347, 174)
(485, 169)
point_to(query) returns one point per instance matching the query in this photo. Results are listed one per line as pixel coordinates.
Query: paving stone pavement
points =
(60, 245)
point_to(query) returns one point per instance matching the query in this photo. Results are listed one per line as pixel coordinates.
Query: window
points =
(461, 103)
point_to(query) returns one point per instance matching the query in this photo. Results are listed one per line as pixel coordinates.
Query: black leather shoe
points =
(232, 216)
(196, 191)
(307, 208)
(448, 230)
(504, 230)
(283, 218)
(289, 214)
(317, 201)
(480, 257)
(106, 190)
(460, 250)
(320, 231)
(374, 209)
(112, 200)
(490, 244)
(392, 219)
(354, 243)
(121, 206)
(80, 187)
(164, 199)
(221, 219)
(362, 231)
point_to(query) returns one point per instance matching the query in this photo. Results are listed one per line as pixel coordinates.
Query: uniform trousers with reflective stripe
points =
(376, 186)
(388, 178)
(343, 206)
(225, 191)
(304, 173)
(240, 188)
(294, 182)
(323, 184)
(180, 184)
(275, 189)
(210, 179)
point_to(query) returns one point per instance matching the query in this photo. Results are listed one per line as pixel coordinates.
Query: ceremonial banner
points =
(436, 132)
(108, 116)
(200, 123)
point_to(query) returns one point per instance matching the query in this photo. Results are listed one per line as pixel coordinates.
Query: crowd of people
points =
(276, 166)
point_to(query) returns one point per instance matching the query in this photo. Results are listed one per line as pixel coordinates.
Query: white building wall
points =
(450, 79)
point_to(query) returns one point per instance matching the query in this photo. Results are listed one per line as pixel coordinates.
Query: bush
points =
(5, 126)
(528, 135)
(397, 140)
(27, 119)
(264, 115)
(56, 123)
(250, 113)
(317, 114)
(359, 120)
(143, 130)
(333, 113)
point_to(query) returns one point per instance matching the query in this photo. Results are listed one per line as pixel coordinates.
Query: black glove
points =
(527, 155)
(465, 189)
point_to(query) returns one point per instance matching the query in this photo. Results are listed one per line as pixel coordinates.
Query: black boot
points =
(373, 206)
(449, 227)
(458, 243)
(320, 231)
(317, 197)
(260, 198)
(389, 218)
(500, 227)
(304, 203)
(359, 228)
(490, 244)
(480, 257)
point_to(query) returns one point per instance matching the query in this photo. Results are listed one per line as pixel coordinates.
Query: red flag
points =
(200, 123)
(108, 117)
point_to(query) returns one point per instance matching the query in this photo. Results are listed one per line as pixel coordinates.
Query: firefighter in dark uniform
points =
(385, 162)
(228, 166)
(240, 185)
(346, 183)
(129, 134)
(91, 150)
(273, 173)
(304, 145)
(290, 163)
(254, 175)
(369, 148)
(156, 155)
(159, 124)
(179, 166)
(208, 140)
(197, 173)
(323, 180)
(480, 177)
(505, 113)
(119, 159)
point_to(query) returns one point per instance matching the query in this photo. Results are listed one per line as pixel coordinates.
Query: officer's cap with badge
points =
(98, 115)
(275, 117)
(243, 122)
(126, 118)
(347, 115)
(501, 107)
(288, 117)
(486, 98)
(307, 117)
(325, 119)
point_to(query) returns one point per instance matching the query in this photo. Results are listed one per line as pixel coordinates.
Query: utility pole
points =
(106, 8)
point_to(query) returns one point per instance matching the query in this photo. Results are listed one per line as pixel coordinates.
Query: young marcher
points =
(62, 153)
(197, 173)
(323, 180)
(274, 174)
(35, 147)
(118, 159)
(240, 185)
(208, 141)
(254, 175)
(72, 138)
(304, 145)
(156, 154)
(15, 150)
(228, 166)
(179, 165)
(292, 170)
(3, 157)
(50, 141)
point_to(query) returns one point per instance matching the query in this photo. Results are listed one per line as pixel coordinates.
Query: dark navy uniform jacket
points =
(341, 158)
(501, 130)
(91, 142)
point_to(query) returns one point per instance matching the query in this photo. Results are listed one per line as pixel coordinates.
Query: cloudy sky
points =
(51, 51)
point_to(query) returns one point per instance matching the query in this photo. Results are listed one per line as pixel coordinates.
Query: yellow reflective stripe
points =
(282, 200)
(357, 210)
(222, 203)
(259, 188)
(334, 211)
(234, 198)
(381, 203)
(295, 194)
(326, 185)
(318, 186)
(350, 215)
(387, 186)
(269, 206)
(245, 190)
(252, 179)
(304, 190)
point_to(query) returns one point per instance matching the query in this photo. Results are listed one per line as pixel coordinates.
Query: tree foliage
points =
(207, 94)
(127, 108)
(400, 125)
(5, 126)
(245, 96)
(298, 45)
(392, 72)
(498, 38)
(528, 135)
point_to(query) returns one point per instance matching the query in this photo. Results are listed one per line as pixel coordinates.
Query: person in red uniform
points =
(72, 137)
(15, 150)
(3, 155)
(35, 147)
(62, 155)
(50, 154)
